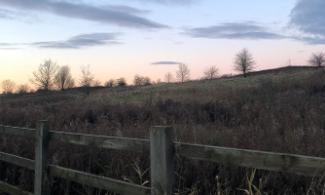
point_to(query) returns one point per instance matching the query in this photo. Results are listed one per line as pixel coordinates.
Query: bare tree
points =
(169, 77)
(317, 59)
(110, 83)
(141, 81)
(63, 78)
(8, 86)
(211, 72)
(44, 76)
(183, 73)
(22, 89)
(244, 62)
(97, 83)
(121, 82)
(87, 77)
(137, 81)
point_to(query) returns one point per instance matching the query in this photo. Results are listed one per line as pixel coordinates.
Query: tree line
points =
(50, 76)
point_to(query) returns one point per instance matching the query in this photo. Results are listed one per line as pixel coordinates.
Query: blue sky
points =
(122, 38)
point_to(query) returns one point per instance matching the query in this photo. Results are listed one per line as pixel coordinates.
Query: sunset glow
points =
(125, 37)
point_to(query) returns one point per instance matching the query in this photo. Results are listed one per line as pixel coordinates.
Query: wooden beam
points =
(12, 190)
(41, 182)
(17, 160)
(99, 182)
(298, 164)
(18, 131)
(162, 154)
(106, 142)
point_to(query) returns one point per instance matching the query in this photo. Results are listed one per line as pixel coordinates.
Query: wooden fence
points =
(162, 152)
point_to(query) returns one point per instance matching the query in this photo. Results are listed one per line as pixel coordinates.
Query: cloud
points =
(126, 9)
(75, 42)
(233, 31)
(6, 14)
(166, 63)
(117, 16)
(80, 41)
(6, 44)
(308, 17)
(169, 2)
(9, 46)
(11, 14)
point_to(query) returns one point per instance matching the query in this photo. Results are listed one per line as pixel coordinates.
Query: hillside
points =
(280, 110)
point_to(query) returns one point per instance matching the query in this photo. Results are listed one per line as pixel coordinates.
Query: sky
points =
(121, 38)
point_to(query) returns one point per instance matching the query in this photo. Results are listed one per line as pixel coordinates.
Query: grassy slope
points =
(205, 90)
(278, 110)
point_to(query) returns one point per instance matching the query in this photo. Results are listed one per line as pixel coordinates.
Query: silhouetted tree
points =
(22, 89)
(137, 80)
(8, 86)
(168, 77)
(211, 72)
(183, 73)
(63, 78)
(146, 81)
(97, 83)
(244, 62)
(317, 59)
(110, 83)
(141, 81)
(121, 82)
(44, 76)
(87, 77)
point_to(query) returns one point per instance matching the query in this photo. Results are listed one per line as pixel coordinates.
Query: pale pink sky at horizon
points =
(201, 34)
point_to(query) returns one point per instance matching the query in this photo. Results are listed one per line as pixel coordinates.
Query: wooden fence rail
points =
(162, 152)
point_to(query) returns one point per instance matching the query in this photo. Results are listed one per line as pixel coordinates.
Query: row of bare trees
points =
(9, 87)
(51, 76)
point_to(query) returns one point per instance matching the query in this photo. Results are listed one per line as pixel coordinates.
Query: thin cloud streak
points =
(166, 63)
(75, 42)
(106, 15)
(233, 31)
(81, 41)
(169, 2)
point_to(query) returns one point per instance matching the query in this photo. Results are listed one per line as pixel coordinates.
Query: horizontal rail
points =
(82, 139)
(298, 164)
(19, 131)
(107, 142)
(12, 190)
(99, 182)
(80, 177)
(17, 160)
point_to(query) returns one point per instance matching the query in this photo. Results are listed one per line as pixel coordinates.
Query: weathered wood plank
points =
(41, 181)
(69, 174)
(82, 139)
(107, 142)
(17, 160)
(99, 182)
(298, 164)
(162, 153)
(18, 131)
(12, 190)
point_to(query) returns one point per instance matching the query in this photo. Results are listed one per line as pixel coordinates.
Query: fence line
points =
(162, 152)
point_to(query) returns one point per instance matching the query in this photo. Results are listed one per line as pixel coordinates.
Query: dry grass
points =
(276, 111)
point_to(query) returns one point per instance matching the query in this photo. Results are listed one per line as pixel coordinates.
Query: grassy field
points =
(279, 110)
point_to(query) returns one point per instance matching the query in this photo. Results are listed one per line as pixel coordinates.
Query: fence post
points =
(162, 152)
(41, 181)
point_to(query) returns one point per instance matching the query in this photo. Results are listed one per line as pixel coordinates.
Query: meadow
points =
(280, 110)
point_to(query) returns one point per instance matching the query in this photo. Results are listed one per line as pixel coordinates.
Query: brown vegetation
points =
(280, 111)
